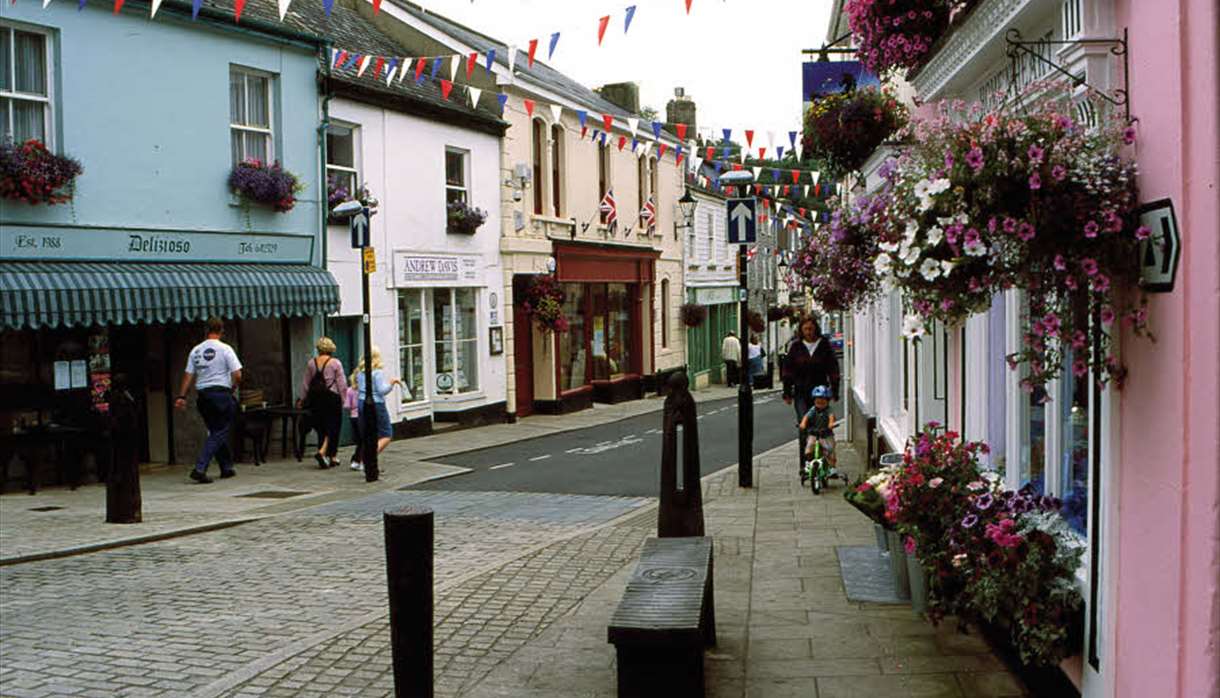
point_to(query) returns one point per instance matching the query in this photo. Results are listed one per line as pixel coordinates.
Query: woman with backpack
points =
(322, 393)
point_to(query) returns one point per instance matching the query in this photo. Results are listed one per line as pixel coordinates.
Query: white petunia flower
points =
(930, 269)
(938, 186)
(912, 327)
(911, 231)
(946, 267)
(923, 188)
(975, 248)
(934, 235)
(888, 246)
(909, 255)
(882, 264)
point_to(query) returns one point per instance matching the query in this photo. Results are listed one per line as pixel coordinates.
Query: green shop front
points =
(703, 342)
(83, 310)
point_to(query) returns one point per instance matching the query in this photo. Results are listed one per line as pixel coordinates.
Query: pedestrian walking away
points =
(810, 362)
(730, 351)
(323, 389)
(213, 368)
(351, 405)
(755, 356)
(381, 388)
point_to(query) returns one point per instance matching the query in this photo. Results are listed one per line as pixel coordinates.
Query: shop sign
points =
(715, 296)
(141, 245)
(414, 269)
(1160, 252)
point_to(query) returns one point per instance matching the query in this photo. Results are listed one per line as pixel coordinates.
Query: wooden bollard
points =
(123, 502)
(680, 513)
(408, 553)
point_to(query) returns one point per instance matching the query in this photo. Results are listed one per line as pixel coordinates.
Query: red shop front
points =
(608, 348)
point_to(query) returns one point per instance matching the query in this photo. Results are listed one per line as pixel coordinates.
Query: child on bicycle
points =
(819, 423)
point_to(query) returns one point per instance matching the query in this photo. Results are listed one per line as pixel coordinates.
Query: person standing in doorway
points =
(216, 373)
(730, 351)
(322, 390)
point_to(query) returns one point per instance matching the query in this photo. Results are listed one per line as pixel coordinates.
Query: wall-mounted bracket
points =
(1119, 97)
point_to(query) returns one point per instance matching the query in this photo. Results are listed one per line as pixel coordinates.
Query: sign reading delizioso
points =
(37, 243)
(418, 269)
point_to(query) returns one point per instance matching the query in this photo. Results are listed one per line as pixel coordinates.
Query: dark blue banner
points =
(819, 78)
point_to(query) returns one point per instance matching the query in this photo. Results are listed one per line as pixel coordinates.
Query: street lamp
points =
(687, 204)
(745, 392)
(360, 216)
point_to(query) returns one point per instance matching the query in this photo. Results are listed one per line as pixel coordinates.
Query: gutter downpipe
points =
(324, 196)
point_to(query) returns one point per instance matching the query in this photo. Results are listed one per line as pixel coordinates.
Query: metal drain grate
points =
(272, 494)
(46, 508)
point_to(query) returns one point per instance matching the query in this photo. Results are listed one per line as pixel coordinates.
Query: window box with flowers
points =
(257, 182)
(843, 129)
(339, 190)
(464, 219)
(32, 174)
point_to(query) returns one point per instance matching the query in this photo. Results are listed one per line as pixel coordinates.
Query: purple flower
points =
(1078, 340)
(1070, 283)
(1089, 266)
(1060, 263)
(1051, 322)
(948, 160)
(1058, 173)
(1035, 154)
(1107, 315)
(1100, 283)
(1129, 135)
(969, 521)
(972, 237)
(1079, 368)
(1026, 232)
(1143, 232)
(1010, 225)
(1090, 229)
(984, 501)
(974, 158)
(1035, 181)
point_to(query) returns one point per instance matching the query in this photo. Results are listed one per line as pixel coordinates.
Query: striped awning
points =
(53, 294)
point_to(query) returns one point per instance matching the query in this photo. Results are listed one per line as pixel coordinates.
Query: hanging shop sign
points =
(716, 296)
(39, 243)
(414, 269)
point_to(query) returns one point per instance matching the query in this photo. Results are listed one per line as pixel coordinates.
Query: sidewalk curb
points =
(125, 542)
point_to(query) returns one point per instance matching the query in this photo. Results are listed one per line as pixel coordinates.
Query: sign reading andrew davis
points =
(38, 243)
(419, 269)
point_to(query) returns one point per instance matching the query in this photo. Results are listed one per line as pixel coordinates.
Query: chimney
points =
(622, 94)
(681, 110)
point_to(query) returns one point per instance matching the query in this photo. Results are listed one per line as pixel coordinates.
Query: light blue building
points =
(119, 279)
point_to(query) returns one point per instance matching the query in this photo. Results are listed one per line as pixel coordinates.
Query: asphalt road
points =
(619, 458)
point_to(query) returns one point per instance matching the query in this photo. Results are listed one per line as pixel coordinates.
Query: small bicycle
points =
(817, 470)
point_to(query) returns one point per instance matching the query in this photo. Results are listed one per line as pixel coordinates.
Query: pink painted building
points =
(1139, 466)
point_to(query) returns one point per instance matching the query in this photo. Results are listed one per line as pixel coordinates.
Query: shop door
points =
(523, 349)
(346, 334)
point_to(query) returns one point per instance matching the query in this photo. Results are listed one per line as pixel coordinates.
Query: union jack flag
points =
(648, 216)
(750, 254)
(609, 209)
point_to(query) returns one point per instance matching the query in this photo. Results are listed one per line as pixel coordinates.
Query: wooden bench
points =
(665, 619)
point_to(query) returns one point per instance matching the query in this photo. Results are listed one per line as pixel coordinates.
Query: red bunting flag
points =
(419, 68)
(736, 167)
(118, 5)
(681, 129)
(678, 159)
(446, 88)
(529, 107)
(601, 28)
(817, 190)
(533, 50)
(622, 141)
(608, 120)
(583, 131)
(787, 189)
(237, 8)
(762, 152)
(376, 6)
(749, 138)
(661, 150)
(471, 61)
(711, 152)
(378, 65)
(757, 189)
(796, 176)
(688, 7)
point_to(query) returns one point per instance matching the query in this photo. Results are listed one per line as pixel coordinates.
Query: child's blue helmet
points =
(822, 391)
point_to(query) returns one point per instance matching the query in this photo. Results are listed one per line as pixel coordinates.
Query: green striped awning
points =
(53, 294)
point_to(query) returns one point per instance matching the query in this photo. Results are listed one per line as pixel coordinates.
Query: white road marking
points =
(502, 465)
(574, 450)
(537, 458)
(629, 436)
(610, 445)
(650, 431)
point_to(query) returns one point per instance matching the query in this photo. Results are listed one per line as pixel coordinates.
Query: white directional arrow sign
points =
(742, 221)
(359, 224)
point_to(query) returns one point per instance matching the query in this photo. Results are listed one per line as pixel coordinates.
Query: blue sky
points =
(738, 59)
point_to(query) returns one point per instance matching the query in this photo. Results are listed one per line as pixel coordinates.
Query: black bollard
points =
(408, 556)
(800, 446)
(123, 502)
(745, 432)
(681, 510)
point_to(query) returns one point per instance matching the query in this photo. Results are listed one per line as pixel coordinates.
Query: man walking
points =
(730, 351)
(214, 369)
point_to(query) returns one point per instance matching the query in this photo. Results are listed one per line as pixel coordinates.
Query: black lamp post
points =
(745, 392)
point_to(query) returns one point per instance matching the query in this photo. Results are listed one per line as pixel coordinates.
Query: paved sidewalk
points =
(58, 521)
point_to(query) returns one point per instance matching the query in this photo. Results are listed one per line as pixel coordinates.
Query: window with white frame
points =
(455, 176)
(341, 170)
(250, 115)
(642, 181)
(664, 313)
(25, 85)
(558, 152)
(455, 327)
(411, 344)
(538, 153)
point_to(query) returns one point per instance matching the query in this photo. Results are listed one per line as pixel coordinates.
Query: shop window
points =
(25, 78)
(653, 187)
(250, 115)
(455, 176)
(664, 313)
(997, 384)
(603, 177)
(411, 343)
(558, 146)
(572, 357)
(1032, 433)
(538, 144)
(642, 181)
(618, 322)
(455, 324)
(341, 159)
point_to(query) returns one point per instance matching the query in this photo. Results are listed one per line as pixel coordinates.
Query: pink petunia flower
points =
(1060, 263)
(1129, 135)
(1090, 229)
(1089, 266)
(1107, 315)
(1079, 368)
(1058, 173)
(1143, 232)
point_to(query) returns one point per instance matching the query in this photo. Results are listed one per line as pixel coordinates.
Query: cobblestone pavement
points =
(177, 616)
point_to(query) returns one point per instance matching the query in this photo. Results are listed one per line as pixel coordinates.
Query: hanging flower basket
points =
(256, 182)
(544, 303)
(1033, 201)
(463, 219)
(338, 191)
(693, 314)
(899, 34)
(756, 321)
(843, 129)
(32, 174)
(837, 264)
(991, 555)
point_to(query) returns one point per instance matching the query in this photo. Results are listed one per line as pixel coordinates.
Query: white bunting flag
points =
(743, 156)
(771, 139)
(816, 176)
(406, 64)
(283, 5)
(633, 123)
(453, 67)
(156, 4)
(391, 74)
(757, 172)
(475, 93)
(512, 58)
(556, 113)
(364, 64)
(806, 191)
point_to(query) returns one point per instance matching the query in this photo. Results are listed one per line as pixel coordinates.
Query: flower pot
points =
(898, 566)
(918, 579)
(879, 531)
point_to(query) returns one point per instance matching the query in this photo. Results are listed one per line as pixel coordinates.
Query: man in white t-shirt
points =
(214, 369)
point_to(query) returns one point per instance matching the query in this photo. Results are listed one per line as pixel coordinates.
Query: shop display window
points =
(411, 343)
(572, 356)
(455, 325)
(600, 318)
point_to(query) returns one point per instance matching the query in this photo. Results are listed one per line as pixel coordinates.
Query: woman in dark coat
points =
(810, 362)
